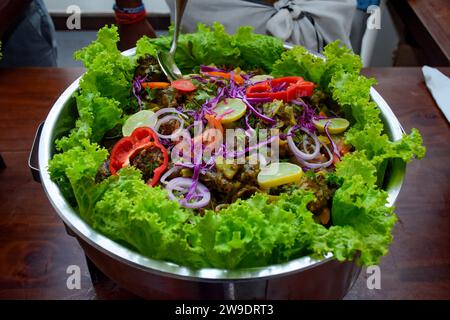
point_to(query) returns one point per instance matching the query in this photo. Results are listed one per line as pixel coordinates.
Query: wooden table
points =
(35, 249)
(426, 24)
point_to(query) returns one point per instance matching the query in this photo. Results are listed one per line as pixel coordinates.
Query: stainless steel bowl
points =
(300, 278)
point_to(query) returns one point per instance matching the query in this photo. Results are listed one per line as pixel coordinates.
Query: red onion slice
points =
(182, 185)
(168, 173)
(312, 165)
(174, 134)
(297, 152)
(168, 110)
(180, 117)
(333, 144)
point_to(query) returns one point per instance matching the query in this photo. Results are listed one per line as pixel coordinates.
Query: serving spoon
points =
(166, 59)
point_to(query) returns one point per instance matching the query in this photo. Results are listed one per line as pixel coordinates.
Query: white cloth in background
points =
(439, 86)
(311, 23)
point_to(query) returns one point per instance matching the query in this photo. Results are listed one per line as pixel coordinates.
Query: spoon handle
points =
(180, 5)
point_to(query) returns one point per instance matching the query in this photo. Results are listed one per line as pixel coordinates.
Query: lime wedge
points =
(337, 125)
(279, 173)
(260, 78)
(230, 110)
(142, 118)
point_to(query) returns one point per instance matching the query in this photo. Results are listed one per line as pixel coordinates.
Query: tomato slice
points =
(184, 85)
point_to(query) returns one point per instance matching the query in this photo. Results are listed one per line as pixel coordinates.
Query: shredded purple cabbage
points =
(137, 88)
(200, 79)
(204, 68)
(166, 142)
(256, 112)
(279, 87)
(307, 117)
(247, 76)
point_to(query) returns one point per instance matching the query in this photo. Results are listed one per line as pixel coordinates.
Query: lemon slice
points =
(278, 173)
(230, 110)
(142, 118)
(324, 139)
(337, 125)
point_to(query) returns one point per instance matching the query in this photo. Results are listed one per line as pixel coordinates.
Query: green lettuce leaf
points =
(109, 73)
(256, 50)
(104, 89)
(362, 206)
(367, 132)
(97, 115)
(339, 58)
(356, 163)
(300, 62)
(74, 171)
(255, 232)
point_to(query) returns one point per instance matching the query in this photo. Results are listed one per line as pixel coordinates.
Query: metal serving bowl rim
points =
(125, 255)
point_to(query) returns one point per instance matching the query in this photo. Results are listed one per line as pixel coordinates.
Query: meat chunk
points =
(245, 193)
(216, 180)
(169, 127)
(149, 67)
(321, 190)
(147, 161)
(103, 172)
(248, 174)
(242, 185)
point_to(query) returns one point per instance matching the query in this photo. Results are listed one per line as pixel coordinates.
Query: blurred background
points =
(413, 32)
(95, 14)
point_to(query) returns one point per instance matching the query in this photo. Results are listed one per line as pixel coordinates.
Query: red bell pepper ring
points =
(128, 147)
(284, 88)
